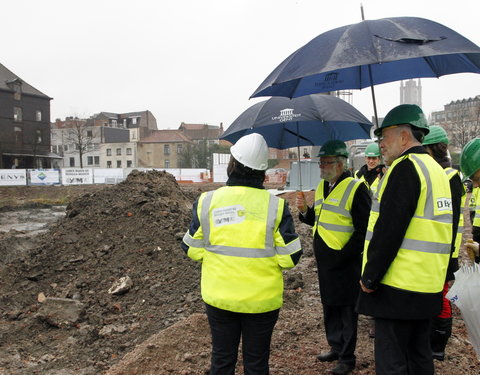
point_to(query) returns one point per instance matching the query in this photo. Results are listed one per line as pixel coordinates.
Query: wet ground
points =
(30, 221)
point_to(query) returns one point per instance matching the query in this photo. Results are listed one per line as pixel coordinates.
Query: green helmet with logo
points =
(470, 158)
(437, 134)
(333, 148)
(404, 114)
(372, 150)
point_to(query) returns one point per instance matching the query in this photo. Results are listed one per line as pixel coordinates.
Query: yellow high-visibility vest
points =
(422, 260)
(333, 220)
(241, 249)
(476, 220)
(373, 186)
(451, 173)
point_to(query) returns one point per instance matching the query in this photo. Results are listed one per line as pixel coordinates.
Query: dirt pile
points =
(131, 229)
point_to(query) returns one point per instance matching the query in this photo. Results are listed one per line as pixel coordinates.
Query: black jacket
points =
(339, 270)
(399, 202)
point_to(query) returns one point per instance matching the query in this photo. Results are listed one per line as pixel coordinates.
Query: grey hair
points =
(343, 160)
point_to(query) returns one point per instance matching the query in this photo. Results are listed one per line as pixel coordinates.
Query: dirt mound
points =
(131, 229)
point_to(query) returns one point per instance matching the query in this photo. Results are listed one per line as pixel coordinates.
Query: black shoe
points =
(439, 356)
(342, 369)
(328, 357)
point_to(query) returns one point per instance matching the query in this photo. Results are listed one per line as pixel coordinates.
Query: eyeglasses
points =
(327, 162)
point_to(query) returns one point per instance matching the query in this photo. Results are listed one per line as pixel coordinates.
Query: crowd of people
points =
(386, 242)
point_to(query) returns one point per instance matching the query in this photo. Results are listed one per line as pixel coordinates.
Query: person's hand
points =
(472, 249)
(365, 289)
(301, 202)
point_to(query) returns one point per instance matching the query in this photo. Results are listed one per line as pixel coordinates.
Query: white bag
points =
(465, 294)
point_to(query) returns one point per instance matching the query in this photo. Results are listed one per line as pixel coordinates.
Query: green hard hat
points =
(333, 148)
(372, 150)
(437, 134)
(404, 114)
(470, 158)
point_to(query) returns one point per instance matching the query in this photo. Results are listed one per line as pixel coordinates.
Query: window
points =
(65, 147)
(134, 121)
(96, 160)
(119, 151)
(17, 114)
(18, 135)
(90, 160)
(72, 162)
(109, 164)
(38, 115)
(119, 164)
(167, 163)
(179, 148)
(166, 150)
(129, 164)
(54, 149)
(129, 151)
(114, 123)
(38, 136)
(89, 134)
(109, 152)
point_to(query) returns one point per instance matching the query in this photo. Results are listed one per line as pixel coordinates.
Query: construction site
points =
(106, 289)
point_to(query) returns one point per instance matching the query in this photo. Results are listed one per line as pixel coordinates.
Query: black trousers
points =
(256, 332)
(341, 331)
(403, 347)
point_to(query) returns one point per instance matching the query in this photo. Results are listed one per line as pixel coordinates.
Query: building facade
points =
(24, 124)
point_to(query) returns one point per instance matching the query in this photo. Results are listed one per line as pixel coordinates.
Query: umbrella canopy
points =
(391, 48)
(305, 121)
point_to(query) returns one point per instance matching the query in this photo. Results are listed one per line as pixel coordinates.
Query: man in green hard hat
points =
(436, 143)
(407, 247)
(339, 218)
(372, 171)
(470, 166)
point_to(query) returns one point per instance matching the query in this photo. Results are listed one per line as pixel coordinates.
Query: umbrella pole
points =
(371, 80)
(299, 165)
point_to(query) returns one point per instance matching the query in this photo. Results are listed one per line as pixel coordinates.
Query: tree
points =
(80, 136)
(465, 124)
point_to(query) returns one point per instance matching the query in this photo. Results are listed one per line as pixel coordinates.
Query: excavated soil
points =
(158, 326)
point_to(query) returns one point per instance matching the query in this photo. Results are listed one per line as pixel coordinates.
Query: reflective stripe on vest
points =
(421, 262)
(333, 220)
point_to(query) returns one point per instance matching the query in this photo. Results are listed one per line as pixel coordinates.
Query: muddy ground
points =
(157, 326)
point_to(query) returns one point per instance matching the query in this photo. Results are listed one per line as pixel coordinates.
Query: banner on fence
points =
(77, 176)
(44, 176)
(11, 177)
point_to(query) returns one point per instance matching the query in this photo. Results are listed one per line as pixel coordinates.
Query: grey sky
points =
(195, 61)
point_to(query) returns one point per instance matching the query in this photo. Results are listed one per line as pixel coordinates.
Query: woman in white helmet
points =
(244, 237)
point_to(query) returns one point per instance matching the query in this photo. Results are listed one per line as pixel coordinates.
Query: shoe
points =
(342, 369)
(328, 357)
(439, 356)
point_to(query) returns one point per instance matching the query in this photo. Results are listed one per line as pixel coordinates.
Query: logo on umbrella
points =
(286, 115)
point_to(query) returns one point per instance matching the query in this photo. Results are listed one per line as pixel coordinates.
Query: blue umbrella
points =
(369, 53)
(309, 120)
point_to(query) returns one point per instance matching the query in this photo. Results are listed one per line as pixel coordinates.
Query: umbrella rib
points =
(299, 136)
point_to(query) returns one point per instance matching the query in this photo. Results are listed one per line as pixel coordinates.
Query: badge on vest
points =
(444, 204)
(228, 215)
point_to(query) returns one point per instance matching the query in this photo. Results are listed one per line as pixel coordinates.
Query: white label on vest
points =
(228, 215)
(333, 200)
(444, 204)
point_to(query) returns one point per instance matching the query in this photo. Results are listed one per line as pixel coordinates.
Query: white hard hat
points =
(252, 151)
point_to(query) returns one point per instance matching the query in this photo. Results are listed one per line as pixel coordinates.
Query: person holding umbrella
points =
(436, 144)
(470, 166)
(244, 237)
(407, 247)
(339, 218)
(372, 171)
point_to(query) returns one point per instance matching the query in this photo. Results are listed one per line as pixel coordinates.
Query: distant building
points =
(202, 132)
(24, 124)
(163, 149)
(106, 140)
(461, 120)
(411, 92)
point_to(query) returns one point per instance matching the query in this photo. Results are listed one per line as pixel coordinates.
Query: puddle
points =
(30, 221)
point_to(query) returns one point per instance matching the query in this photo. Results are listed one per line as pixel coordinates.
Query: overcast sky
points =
(196, 61)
